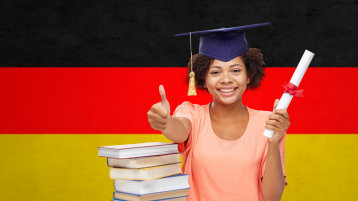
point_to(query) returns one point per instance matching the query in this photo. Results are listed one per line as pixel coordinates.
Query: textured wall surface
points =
(140, 33)
(53, 119)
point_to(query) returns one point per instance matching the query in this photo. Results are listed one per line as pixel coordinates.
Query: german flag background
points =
(76, 75)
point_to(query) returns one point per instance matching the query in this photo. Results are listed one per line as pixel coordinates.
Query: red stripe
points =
(115, 100)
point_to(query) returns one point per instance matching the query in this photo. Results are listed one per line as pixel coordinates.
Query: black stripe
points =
(140, 32)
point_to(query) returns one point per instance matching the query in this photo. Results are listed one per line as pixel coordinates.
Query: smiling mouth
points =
(227, 90)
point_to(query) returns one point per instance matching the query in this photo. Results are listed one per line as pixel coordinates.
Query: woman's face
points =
(227, 81)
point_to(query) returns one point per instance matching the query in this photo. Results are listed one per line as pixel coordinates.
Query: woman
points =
(224, 149)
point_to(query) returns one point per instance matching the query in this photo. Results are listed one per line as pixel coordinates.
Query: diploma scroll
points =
(297, 76)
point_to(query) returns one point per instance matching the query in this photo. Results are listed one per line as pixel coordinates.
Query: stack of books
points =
(146, 171)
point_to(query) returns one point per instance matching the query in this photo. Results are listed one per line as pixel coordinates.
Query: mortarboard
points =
(223, 44)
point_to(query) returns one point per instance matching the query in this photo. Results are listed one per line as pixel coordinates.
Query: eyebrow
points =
(234, 65)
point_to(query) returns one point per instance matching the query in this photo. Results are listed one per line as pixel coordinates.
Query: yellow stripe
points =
(321, 167)
(67, 167)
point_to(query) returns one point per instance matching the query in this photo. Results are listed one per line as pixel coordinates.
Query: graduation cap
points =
(223, 44)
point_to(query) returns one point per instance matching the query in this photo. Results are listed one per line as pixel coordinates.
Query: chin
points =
(228, 101)
(231, 102)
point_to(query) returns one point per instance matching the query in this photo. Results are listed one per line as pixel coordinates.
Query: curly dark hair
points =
(253, 59)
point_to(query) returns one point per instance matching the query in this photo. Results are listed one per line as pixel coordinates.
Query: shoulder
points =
(186, 105)
(257, 122)
(190, 111)
(259, 115)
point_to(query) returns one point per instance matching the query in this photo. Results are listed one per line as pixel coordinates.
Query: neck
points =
(227, 112)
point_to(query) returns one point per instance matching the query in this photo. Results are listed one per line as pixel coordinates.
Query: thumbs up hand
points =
(279, 122)
(159, 113)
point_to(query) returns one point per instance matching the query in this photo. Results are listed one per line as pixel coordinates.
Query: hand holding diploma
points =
(159, 113)
(291, 87)
(278, 122)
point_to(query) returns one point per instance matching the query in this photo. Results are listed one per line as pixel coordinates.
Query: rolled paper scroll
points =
(291, 88)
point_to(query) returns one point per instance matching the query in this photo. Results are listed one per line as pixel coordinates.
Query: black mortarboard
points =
(223, 44)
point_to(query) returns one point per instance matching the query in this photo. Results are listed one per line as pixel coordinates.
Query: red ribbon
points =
(292, 90)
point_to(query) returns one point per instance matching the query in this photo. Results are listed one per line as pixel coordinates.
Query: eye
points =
(214, 72)
(236, 70)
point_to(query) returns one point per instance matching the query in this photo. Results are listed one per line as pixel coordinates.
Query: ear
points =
(248, 81)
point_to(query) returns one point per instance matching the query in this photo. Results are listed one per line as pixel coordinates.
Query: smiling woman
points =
(223, 148)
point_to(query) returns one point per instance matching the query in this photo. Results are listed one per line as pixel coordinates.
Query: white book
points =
(181, 198)
(176, 194)
(142, 162)
(145, 173)
(137, 150)
(175, 182)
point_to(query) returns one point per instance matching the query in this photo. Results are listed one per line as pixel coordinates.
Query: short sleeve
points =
(186, 110)
(282, 155)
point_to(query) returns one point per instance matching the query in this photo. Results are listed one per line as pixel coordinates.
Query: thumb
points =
(164, 101)
(162, 94)
(275, 104)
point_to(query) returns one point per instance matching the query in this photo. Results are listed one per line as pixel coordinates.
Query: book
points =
(143, 162)
(181, 198)
(137, 150)
(151, 196)
(145, 173)
(170, 183)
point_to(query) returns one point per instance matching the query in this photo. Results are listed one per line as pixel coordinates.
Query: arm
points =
(176, 129)
(273, 181)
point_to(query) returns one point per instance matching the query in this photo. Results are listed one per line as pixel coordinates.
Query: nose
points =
(226, 79)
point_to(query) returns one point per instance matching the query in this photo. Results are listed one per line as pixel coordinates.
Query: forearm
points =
(176, 130)
(273, 181)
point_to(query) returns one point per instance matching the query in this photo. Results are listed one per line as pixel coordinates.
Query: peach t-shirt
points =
(221, 169)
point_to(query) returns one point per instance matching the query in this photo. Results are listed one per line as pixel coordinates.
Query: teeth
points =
(226, 90)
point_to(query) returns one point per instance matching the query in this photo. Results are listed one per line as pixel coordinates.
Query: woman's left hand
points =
(279, 121)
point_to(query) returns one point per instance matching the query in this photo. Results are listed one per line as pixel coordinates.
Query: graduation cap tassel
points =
(192, 90)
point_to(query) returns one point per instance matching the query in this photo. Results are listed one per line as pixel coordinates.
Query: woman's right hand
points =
(159, 113)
